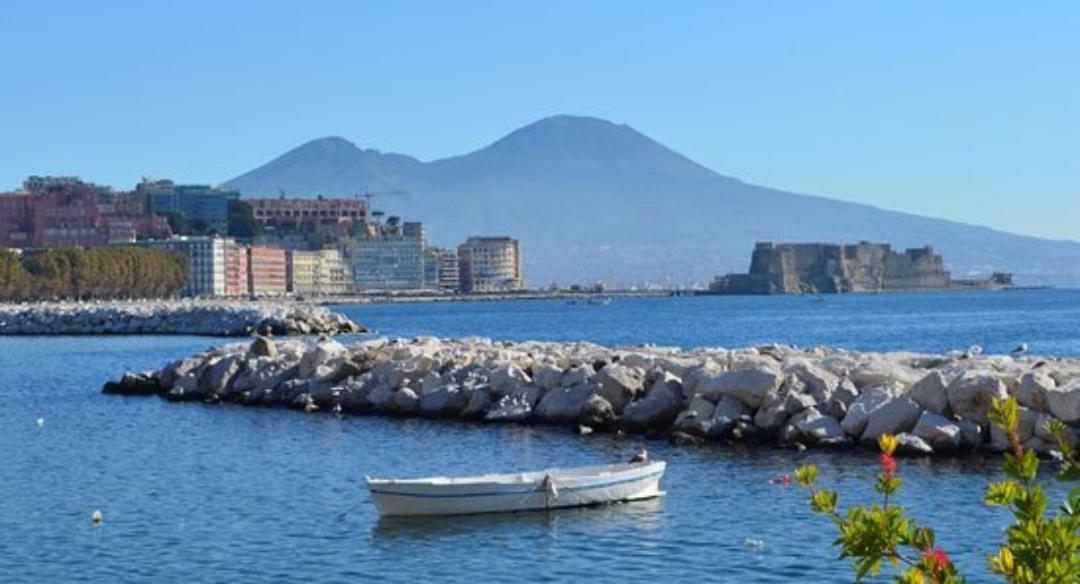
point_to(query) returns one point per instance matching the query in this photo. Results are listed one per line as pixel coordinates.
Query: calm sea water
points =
(222, 493)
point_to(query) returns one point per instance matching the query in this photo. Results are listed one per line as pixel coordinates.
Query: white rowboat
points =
(546, 489)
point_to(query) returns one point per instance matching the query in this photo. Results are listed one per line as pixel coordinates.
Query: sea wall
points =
(821, 396)
(212, 318)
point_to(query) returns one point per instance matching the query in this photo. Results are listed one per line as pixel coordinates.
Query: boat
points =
(600, 300)
(525, 491)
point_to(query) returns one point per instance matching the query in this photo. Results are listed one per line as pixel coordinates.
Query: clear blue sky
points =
(962, 110)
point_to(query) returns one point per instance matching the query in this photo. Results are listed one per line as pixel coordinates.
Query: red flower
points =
(937, 557)
(888, 463)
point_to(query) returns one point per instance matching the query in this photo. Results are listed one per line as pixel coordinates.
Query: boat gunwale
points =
(530, 478)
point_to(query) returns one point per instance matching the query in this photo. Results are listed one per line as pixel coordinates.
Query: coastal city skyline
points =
(880, 121)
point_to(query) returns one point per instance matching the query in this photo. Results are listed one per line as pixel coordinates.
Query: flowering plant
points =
(1038, 548)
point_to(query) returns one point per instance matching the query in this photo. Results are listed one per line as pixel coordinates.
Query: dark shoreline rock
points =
(818, 398)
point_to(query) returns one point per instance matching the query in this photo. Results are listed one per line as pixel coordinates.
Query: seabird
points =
(642, 456)
(1020, 349)
(973, 351)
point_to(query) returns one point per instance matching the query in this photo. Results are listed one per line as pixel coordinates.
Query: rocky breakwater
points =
(212, 318)
(772, 394)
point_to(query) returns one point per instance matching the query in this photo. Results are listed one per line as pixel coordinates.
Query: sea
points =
(222, 493)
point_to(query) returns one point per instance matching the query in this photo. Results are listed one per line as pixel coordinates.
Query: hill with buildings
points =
(592, 200)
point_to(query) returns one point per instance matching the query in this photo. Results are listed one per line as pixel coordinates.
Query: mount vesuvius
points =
(593, 200)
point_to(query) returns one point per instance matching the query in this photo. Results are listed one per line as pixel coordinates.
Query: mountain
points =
(592, 200)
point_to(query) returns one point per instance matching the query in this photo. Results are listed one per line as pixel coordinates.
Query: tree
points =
(241, 219)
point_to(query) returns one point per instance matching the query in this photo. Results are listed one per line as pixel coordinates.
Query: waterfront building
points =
(266, 271)
(203, 208)
(389, 257)
(490, 264)
(441, 269)
(319, 273)
(236, 269)
(317, 211)
(206, 257)
(64, 211)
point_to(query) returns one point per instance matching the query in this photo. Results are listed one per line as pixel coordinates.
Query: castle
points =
(793, 268)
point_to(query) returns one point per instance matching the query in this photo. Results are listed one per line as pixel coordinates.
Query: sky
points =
(961, 110)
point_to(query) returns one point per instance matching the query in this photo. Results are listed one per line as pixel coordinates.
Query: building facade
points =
(206, 258)
(64, 211)
(389, 257)
(203, 207)
(267, 271)
(319, 273)
(236, 269)
(490, 264)
(318, 211)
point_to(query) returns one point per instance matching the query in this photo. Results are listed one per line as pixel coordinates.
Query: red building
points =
(72, 213)
(236, 269)
(318, 211)
(267, 268)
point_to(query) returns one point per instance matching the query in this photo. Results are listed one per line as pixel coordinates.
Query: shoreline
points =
(771, 394)
(220, 318)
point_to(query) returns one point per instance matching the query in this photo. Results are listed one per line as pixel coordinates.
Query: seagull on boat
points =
(1020, 349)
(642, 456)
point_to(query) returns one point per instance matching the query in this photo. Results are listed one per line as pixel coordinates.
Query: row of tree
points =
(108, 272)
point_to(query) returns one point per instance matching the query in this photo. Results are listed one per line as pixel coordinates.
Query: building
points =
(317, 211)
(206, 256)
(64, 211)
(792, 268)
(236, 269)
(389, 256)
(204, 209)
(319, 273)
(267, 271)
(490, 264)
(441, 269)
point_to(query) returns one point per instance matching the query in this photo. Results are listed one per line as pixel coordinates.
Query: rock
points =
(262, 347)
(479, 402)
(1032, 390)
(597, 412)
(942, 434)
(216, 380)
(696, 419)
(516, 407)
(506, 378)
(443, 402)
(971, 394)
(854, 422)
(896, 416)
(563, 405)
(726, 415)
(816, 428)
(908, 445)
(577, 375)
(973, 433)
(878, 371)
(749, 386)
(820, 382)
(323, 351)
(619, 385)
(381, 397)
(404, 402)
(1064, 401)
(929, 393)
(134, 383)
(659, 408)
(547, 376)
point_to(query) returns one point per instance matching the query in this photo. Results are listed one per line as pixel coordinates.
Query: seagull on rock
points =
(1020, 349)
(973, 351)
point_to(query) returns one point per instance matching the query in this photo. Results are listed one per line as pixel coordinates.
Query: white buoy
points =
(751, 543)
(584, 430)
(40, 422)
(97, 517)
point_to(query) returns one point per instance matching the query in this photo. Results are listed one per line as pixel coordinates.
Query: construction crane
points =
(369, 196)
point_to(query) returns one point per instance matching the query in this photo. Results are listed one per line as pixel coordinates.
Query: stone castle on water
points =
(793, 268)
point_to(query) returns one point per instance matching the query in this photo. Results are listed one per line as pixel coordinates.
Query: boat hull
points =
(525, 492)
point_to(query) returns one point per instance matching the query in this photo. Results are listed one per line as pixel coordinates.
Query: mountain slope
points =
(594, 200)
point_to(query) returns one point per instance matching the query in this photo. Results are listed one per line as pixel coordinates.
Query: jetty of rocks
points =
(187, 317)
(774, 394)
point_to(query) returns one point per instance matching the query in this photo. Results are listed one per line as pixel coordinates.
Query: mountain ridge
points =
(591, 199)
